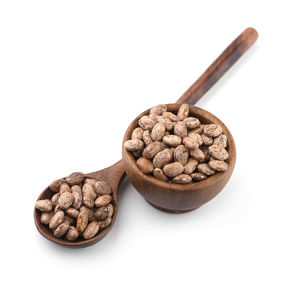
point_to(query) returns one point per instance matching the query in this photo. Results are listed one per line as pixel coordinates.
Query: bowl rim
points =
(195, 111)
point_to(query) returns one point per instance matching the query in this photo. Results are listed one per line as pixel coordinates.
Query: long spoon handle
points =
(212, 74)
(216, 70)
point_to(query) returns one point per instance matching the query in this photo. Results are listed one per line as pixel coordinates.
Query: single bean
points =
(173, 169)
(44, 205)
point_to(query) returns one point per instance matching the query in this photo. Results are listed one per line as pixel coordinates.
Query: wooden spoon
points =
(115, 173)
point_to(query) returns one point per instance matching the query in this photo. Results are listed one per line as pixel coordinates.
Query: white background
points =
(73, 75)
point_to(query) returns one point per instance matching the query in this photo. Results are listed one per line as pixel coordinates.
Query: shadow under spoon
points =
(115, 173)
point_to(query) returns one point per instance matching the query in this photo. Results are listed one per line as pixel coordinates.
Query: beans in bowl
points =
(178, 148)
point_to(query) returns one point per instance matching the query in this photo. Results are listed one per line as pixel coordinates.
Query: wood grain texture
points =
(164, 196)
(176, 198)
(112, 175)
(217, 69)
(172, 197)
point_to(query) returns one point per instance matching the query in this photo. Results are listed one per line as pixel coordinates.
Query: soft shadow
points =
(105, 245)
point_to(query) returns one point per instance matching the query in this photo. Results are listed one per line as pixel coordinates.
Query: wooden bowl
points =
(177, 198)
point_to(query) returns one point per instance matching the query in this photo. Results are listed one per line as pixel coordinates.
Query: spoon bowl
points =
(172, 197)
(114, 176)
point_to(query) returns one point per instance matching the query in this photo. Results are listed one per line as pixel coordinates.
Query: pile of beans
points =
(177, 147)
(79, 208)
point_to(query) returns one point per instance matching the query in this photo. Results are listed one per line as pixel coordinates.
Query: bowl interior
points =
(204, 117)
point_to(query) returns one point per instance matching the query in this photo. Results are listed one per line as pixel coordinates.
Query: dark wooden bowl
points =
(177, 198)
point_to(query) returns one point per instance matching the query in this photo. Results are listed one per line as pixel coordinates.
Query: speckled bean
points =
(173, 169)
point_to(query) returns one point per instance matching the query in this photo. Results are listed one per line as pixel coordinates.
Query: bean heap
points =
(178, 148)
(79, 207)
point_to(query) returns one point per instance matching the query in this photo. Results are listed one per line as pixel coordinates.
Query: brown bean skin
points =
(110, 210)
(55, 198)
(181, 154)
(84, 208)
(159, 174)
(137, 134)
(72, 233)
(61, 230)
(44, 205)
(64, 188)
(171, 116)
(180, 130)
(173, 169)
(90, 180)
(166, 122)
(147, 138)
(198, 130)
(65, 200)
(89, 195)
(134, 145)
(183, 112)
(207, 140)
(145, 165)
(153, 117)
(218, 165)
(105, 223)
(103, 200)
(72, 212)
(152, 149)
(198, 176)
(190, 167)
(75, 178)
(205, 169)
(212, 130)
(218, 152)
(77, 188)
(91, 230)
(197, 154)
(102, 213)
(46, 217)
(159, 109)
(196, 137)
(207, 155)
(172, 140)
(191, 122)
(182, 179)
(178, 147)
(162, 158)
(158, 132)
(190, 143)
(89, 188)
(68, 220)
(82, 221)
(55, 185)
(91, 214)
(56, 220)
(56, 209)
(221, 141)
(102, 187)
(77, 200)
(88, 199)
(146, 123)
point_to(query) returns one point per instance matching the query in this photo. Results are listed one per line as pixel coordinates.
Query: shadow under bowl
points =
(172, 197)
